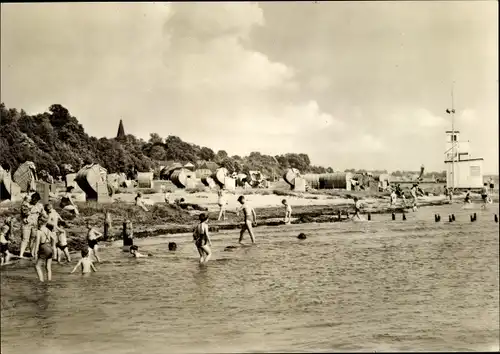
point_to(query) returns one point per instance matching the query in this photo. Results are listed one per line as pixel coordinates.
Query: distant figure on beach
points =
(60, 234)
(467, 197)
(67, 202)
(492, 185)
(222, 205)
(394, 198)
(44, 249)
(357, 207)
(450, 194)
(250, 219)
(134, 251)
(166, 195)
(399, 191)
(202, 240)
(484, 195)
(140, 202)
(93, 239)
(31, 210)
(85, 262)
(5, 234)
(288, 212)
(413, 192)
(108, 221)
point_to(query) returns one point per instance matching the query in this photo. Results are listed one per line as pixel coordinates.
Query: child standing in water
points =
(202, 240)
(249, 214)
(60, 234)
(85, 263)
(222, 205)
(44, 249)
(288, 212)
(93, 239)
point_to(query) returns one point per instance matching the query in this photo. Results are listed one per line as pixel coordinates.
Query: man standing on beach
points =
(249, 214)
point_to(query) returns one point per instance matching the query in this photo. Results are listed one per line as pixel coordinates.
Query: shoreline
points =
(168, 219)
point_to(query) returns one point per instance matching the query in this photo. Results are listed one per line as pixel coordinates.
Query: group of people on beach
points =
(42, 228)
(485, 195)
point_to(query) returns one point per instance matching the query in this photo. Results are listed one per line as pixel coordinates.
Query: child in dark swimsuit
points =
(202, 240)
(44, 248)
(93, 239)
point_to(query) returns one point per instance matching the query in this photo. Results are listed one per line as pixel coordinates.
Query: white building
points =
(462, 171)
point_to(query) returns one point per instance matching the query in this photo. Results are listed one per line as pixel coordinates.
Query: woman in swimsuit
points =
(93, 239)
(44, 249)
(202, 240)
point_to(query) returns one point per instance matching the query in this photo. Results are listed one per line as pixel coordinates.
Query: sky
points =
(351, 84)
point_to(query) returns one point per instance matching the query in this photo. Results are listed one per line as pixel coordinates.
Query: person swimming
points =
(202, 240)
(249, 214)
(134, 251)
(85, 262)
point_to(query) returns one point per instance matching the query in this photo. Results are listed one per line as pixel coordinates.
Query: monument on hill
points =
(121, 131)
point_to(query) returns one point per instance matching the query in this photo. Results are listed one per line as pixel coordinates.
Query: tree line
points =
(55, 138)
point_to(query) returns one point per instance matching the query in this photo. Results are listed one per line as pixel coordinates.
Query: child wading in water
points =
(288, 212)
(93, 239)
(60, 234)
(249, 214)
(85, 263)
(202, 240)
(44, 248)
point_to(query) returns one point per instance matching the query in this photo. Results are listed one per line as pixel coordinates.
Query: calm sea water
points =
(382, 285)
